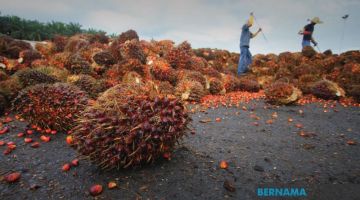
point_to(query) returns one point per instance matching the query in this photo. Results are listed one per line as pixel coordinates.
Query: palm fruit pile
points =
(52, 106)
(282, 93)
(162, 71)
(131, 129)
(180, 56)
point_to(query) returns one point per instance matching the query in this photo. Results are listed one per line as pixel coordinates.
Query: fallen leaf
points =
(96, 190)
(206, 120)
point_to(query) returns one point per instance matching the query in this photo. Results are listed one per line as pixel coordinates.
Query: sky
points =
(207, 23)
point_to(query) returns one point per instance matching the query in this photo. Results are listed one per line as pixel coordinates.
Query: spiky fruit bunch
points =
(59, 42)
(132, 78)
(216, 86)
(165, 88)
(3, 75)
(210, 71)
(282, 93)
(308, 52)
(132, 50)
(265, 81)
(99, 38)
(45, 48)
(192, 76)
(88, 84)
(76, 42)
(10, 87)
(206, 53)
(179, 57)
(198, 63)
(76, 64)
(305, 69)
(165, 46)
(283, 73)
(52, 106)
(229, 82)
(30, 77)
(104, 58)
(137, 132)
(306, 81)
(128, 35)
(162, 71)
(354, 91)
(3, 104)
(327, 90)
(60, 74)
(189, 90)
(11, 48)
(27, 56)
(246, 84)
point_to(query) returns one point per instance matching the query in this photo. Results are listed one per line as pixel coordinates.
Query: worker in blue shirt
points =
(308, 31)
(245, 55)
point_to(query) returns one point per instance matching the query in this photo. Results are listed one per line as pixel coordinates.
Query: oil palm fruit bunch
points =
(162, 71)
(210, 71)
(127, 36)
(132, 77)
(282, 93)
(229, 82)
(60, 74)
(45, 48)
(179, 57)
(88, 84)
(306, 81)
(188, 90)
(3, 75)
(28, 77)
(216, 86)
(127, 131)
(192, 76)
(326, 89)
(308, 52)
(198, 63)
(165, 88)
(76, 42)
(304, 69)
(59, 42)
(104, 58)
(11, 48)
(76, 64)
(52, 106)
(3, 103)
(354, 91)
(247, 84)
(132, 50)
(10, 87)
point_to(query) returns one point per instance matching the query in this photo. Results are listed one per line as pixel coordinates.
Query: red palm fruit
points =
(66, 167)
(28, 140)
(13, 177)
(95, 190)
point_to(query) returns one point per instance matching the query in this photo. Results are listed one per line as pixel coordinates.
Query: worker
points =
(308, 31)
(245, 55)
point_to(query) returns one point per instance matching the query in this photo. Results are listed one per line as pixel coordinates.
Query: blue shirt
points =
(245, 36)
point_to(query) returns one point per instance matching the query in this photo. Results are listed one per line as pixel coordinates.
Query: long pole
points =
(262, 32)
(342, 36)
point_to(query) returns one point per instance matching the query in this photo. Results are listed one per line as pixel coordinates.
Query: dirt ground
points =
(260, 153)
